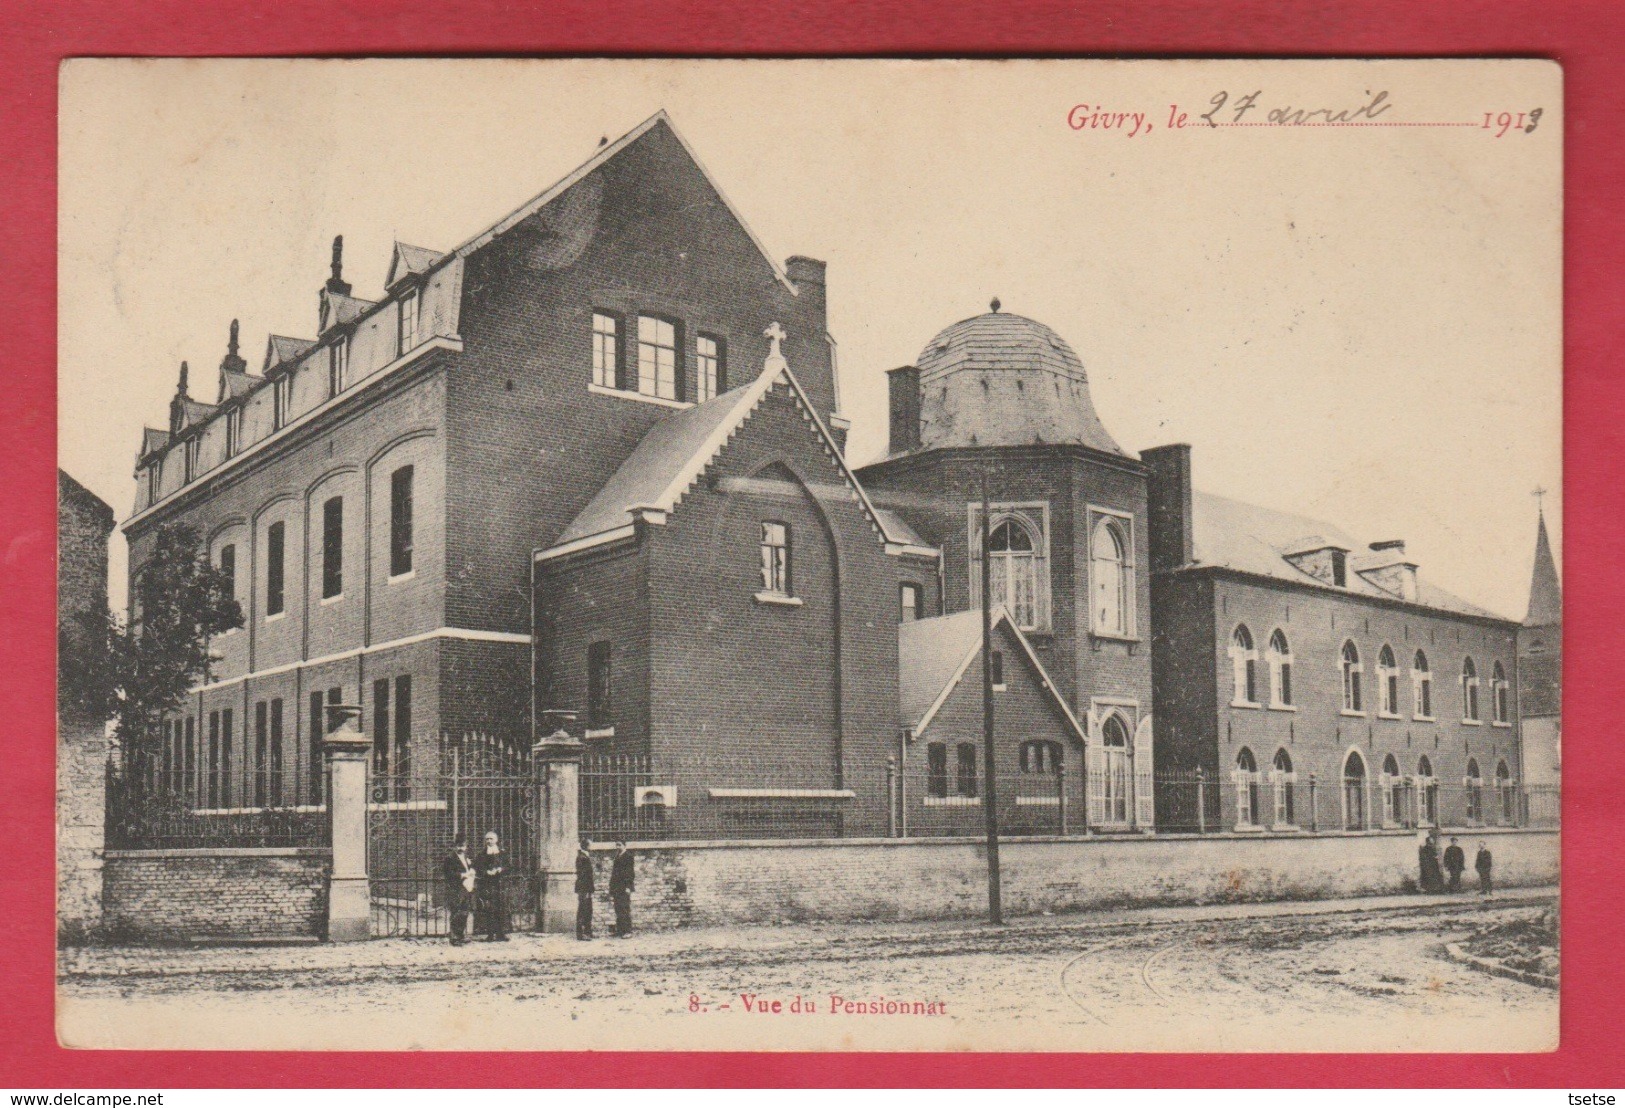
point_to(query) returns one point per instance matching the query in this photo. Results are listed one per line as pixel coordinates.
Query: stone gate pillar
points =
(349, 897)
(557, 758)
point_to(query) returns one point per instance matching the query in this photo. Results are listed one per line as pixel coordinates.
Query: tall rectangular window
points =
(338, 366)
(658, 363)
(711, 374)
(316, 757)
(407, 337)
(380, 727)
(908, 594)
(400, 521)
(213, 772)
(997, 669)
(275, 549)
(282, 399)
(776, 557)
(194, 449)
(155, 480)
(600, 686)
(234, 431)
(228, 566)
(936, 769)
(333, 548)
(403, 725)
(189, 762)
(274, 770)
(262, 758)
(228, 740)
(606, 350)
(967, 769)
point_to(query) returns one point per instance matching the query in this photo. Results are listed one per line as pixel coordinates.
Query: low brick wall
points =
(695, 884)
(220, 893)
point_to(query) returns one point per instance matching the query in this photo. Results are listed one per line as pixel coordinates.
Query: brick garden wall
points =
(246, 893)
(710, 884)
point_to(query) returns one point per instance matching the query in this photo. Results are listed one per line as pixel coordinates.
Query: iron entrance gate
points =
(481, 784)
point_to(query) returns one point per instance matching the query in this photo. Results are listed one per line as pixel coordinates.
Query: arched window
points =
(1352, 701)
(1429, 791)
(1475, 792)
(1387, 682)
(1014, 571)
(1500, 696)
(1280, 657)
(936, 769)
(1284, 782)
(1422, 686)
(1469, 690)
(1243, 668)
(1504, 789)
(1354, 810)
(1246, 789)
(1110, 571)
(1115, 745)
(1393, 792)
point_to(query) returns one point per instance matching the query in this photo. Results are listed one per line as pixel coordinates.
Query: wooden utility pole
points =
(990, 808)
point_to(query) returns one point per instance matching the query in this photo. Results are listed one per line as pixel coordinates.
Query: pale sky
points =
(1361, 325)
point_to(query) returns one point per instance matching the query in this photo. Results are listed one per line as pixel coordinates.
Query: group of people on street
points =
(1454, 863)
(621, 882)
(473, 885)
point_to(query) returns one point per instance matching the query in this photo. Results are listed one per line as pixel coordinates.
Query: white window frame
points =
(1471, 708)
(234, 430)
(1249, 791)
(778, 576)
(709, 368)
(606, 370)
(1279, 661)
(407, 326)
(1387, 679)
(1033, 514)
(1283, 790)
(1419, 679)
(282, 400)
(1365, 780)
(650, 381)
(1351, 705)
(1130, 592)
(1500, 696)
(1240, 657)
(193, 453)
(338, 366)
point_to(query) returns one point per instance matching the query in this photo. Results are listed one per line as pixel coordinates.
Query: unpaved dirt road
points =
(1368, 981)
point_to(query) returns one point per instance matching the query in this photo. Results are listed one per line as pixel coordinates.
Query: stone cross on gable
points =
(1540, 497)
(775, 357)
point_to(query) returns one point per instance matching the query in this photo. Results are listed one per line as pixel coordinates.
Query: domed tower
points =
(1000, 379)
(1002, 401)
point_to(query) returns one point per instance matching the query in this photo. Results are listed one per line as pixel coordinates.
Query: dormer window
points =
(1340, 569)
(194, 448)
(407, 336)
(234, 431)
(338, 366)
(155, 479)
(283, 399)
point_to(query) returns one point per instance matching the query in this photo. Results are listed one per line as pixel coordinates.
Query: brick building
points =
(1540, 669)
(83, 524)
(1286, 651)
(378, 490)
(1001, 402)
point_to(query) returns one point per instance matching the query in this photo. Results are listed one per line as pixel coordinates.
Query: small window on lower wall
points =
(909, 601)
(600, 687)
(967, 769)
(936, 769)
(1041, 756)
(997, 669)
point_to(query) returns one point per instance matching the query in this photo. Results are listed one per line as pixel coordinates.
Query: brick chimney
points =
(904, 382)
(805, 273)
(1168, 488)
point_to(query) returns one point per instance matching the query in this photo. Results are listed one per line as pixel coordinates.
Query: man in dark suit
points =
(491, 913)
(1483, 864)
(585, 886)
(457, 871)
(1455, 861)
(620, 889)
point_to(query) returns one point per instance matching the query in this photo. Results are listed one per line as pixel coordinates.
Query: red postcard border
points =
(1583, 36)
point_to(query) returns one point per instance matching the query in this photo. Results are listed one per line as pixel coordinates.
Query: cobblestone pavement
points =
(1368, 974)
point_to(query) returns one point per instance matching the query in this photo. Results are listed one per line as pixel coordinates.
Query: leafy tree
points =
(178, 600)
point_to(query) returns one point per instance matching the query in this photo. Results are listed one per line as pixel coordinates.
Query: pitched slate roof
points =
(280, 349)
(339, 309)
(934, 656)
(675, 451)
(1001, 379)
(234, 384)
(409, 259)
(195, 411)
(153, 439)
(1545, 594)
(1254, 540)
(898, 528)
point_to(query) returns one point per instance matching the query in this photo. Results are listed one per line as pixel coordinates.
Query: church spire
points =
(1545, 594)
